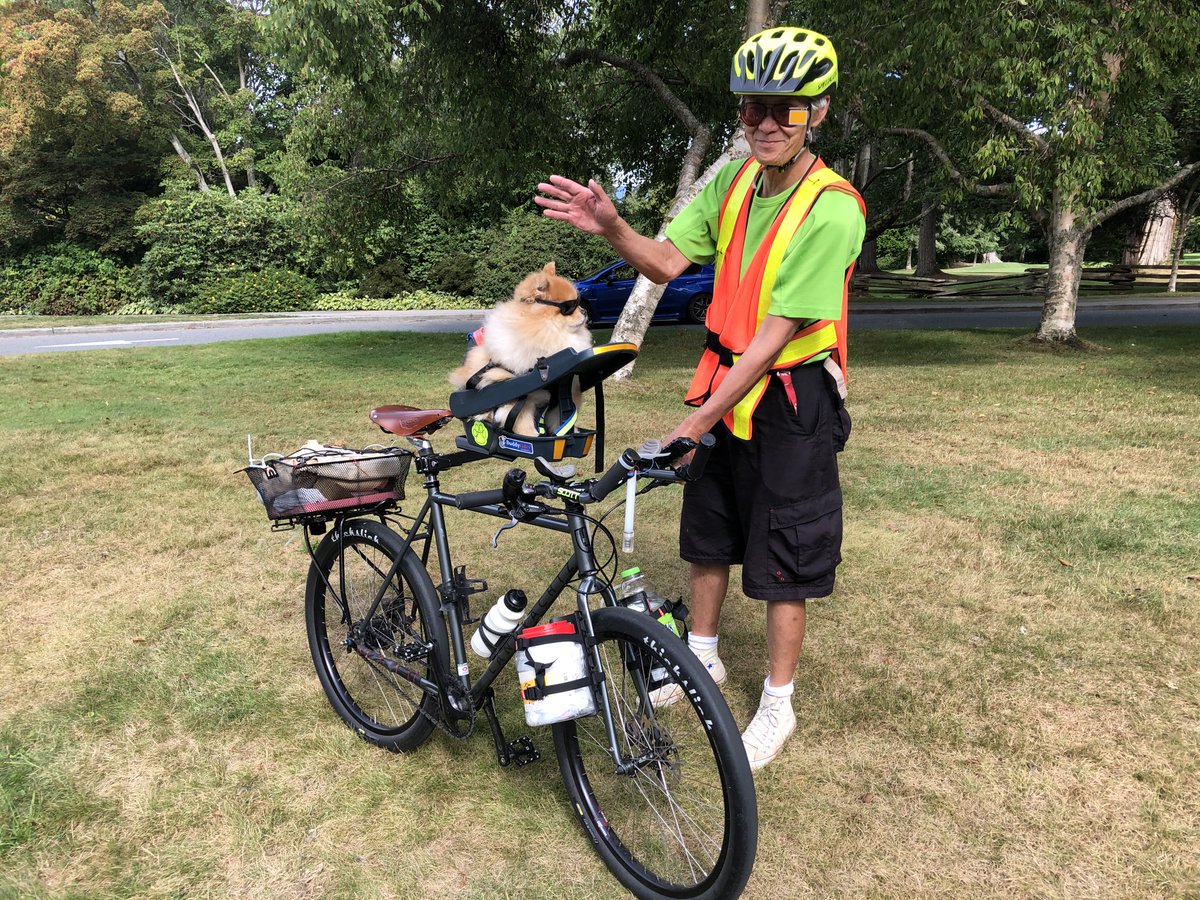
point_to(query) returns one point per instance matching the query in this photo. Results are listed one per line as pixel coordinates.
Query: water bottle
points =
(503, 618)
(637, 594)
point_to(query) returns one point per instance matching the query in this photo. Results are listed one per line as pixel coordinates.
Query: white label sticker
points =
(463, 668)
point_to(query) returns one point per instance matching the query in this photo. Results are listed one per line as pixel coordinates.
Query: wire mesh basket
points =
(313, 482)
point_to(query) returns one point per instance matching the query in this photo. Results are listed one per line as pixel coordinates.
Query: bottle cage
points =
(554, 374)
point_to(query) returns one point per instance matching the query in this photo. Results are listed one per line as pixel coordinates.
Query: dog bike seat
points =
(552, 374)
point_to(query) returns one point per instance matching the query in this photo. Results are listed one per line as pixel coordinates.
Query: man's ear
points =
(817, 111)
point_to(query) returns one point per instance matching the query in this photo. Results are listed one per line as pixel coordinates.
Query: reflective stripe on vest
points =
(741, 302)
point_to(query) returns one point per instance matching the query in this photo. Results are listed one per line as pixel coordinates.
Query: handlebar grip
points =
(613, 478)
(473, 499)
(693, 470)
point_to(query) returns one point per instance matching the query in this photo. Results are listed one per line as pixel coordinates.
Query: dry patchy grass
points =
(1001, 698)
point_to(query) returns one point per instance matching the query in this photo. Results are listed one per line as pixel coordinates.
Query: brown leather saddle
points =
(408, 421)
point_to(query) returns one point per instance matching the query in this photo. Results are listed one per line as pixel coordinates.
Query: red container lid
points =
(551, 628)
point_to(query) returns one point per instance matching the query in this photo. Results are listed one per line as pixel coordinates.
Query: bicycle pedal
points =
(522, 752)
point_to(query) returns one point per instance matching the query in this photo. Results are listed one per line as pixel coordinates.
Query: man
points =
(784, 231)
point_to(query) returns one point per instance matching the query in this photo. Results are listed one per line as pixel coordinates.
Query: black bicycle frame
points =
(582, 562)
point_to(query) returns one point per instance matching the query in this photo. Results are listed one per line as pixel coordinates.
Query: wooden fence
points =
(1027, 285)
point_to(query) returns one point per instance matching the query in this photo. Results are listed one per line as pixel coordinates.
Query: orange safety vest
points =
(740, 303)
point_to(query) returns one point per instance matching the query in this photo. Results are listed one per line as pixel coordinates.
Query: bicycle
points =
(664, 792)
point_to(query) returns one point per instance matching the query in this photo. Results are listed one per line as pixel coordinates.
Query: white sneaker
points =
(671, 693)
(769, 730)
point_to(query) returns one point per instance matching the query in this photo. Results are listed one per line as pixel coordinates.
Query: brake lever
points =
(512, 523)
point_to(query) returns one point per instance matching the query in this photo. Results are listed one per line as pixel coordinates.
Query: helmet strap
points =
(783, 167)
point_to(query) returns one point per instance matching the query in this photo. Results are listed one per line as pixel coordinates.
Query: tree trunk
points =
(189, 162)
(1068, 240)
(1186, 210)
(868, 260)
(992, 257)
(908, 256)
(1150, 242)
(927, 266)
(643, 299)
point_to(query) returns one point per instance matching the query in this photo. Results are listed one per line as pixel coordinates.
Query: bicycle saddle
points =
(408, 420)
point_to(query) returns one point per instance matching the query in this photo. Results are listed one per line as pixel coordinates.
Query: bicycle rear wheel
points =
(352, 653)
(678, 818)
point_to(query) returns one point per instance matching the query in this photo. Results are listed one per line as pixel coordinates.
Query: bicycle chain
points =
(436, 720)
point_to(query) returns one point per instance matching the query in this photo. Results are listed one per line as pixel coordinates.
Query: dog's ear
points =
(548, 268)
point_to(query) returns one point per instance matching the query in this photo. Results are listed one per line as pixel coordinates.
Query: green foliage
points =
(524, 241)
(456, 274)
(891, 247)
(267, 290)
(192, 235)
(66, 280)
(387, 279)
(419, 299)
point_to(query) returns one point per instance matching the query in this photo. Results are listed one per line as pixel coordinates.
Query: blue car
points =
(685, 299)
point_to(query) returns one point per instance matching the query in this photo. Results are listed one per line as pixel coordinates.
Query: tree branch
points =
(938, 152)
(1146, 196)
(701, 136)
(1019, 129)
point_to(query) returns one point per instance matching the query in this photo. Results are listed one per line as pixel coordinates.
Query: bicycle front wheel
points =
(352, 653)
(677, 817)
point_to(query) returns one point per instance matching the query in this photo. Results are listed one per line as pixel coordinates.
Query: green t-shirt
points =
(812, 273)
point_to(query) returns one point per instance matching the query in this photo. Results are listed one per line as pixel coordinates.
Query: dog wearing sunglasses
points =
(542, 317)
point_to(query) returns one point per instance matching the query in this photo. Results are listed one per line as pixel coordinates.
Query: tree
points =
(1059, 108)
(95, 96)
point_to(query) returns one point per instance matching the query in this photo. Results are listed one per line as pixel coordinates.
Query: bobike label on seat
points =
(515, 446)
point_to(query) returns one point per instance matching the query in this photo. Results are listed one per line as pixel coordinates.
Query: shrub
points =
(189, 233)
(66, 280)
(349, 300)
(387, 280)
(143, 307)
(270, 290)
(524, 241)
(455, 274)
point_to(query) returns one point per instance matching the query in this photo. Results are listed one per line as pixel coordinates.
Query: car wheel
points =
(697, 307)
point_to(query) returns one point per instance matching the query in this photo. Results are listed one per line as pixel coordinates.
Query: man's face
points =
(771, 141)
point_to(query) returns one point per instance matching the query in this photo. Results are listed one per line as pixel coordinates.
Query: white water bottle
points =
(503, 618)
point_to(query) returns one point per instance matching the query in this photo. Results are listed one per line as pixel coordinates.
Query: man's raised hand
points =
(587, 208)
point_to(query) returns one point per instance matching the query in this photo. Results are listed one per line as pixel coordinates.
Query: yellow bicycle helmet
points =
(791, 61)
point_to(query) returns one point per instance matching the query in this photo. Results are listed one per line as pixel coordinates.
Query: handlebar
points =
(648, 462)
(655, 464)
(472, 499)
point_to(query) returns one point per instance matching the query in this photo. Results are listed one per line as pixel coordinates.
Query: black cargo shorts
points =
(773, 504)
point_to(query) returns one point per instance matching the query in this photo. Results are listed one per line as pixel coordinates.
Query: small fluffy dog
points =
(542, 317)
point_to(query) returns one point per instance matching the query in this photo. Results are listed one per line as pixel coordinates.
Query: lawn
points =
(1000, 699)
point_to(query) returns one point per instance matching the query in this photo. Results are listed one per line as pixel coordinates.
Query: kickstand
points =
(520, 751)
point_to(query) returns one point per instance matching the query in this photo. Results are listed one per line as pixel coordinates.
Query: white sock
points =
(697, 642)
(783, 690)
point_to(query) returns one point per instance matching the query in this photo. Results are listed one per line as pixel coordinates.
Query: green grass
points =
(1000, 699)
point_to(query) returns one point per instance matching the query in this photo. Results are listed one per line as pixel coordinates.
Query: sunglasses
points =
(752, 113)
(565, 308)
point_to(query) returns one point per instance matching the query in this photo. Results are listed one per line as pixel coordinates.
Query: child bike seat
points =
(554, 375)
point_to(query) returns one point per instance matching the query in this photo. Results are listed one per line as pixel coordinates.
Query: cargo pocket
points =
(841, 429)
(806, 538)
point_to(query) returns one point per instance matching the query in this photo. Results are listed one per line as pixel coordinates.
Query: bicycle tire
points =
(380, 706)
(683, 823)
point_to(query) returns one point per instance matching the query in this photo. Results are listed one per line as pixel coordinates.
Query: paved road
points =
(994, 314)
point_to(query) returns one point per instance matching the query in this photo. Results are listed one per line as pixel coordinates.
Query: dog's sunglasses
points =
(751, 112)
(565, 308)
